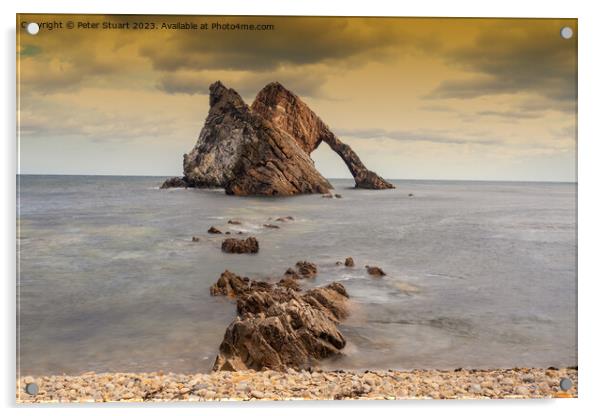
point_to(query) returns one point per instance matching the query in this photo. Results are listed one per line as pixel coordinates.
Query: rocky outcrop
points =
(239, 246)
(277, 327)
(246, 154)
(288, 112)
(264, 149)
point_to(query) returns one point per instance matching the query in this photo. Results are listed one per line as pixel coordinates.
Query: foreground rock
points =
(294, 385)
(277, 326)
(239, 246)
(264, 149)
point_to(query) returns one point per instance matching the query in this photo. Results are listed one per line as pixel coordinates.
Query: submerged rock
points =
(264, 149)
(176, 182)
(234, 222)
(195, 239)
(375, 271)
(239, 246)
(270, 226)
(349, 262)
(213, 230)
(284, 219)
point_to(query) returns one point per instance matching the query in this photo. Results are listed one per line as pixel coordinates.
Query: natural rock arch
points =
(265, 149)
(288, 112)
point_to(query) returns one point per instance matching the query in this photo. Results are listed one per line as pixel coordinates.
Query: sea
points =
(479, 274)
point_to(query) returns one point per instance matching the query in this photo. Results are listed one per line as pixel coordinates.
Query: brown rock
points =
(246, 154)
(229, 284)
(375, 271)
(264, 149)
(284, 219)
(234, 222)
(349, 262)
(279, 329)
(195, 239)
(291, 273)
(288, 112)
(213, 230)
(290, 283)
(270, 226)
(234, 245)
(176, 182)
(306, 269)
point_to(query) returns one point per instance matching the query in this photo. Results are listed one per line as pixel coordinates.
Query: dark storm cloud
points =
(297, 41)
(509, 58)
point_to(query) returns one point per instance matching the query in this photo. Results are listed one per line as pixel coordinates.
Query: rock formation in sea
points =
(288, 112)
(277, 326)
(264, 149)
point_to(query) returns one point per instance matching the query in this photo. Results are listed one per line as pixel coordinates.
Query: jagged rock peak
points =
(219, 93)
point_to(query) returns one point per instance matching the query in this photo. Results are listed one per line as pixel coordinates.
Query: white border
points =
(590, 188)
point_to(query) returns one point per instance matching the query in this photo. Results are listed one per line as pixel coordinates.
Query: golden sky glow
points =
(415, 97)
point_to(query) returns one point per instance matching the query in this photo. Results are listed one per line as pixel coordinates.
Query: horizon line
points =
(391, 179)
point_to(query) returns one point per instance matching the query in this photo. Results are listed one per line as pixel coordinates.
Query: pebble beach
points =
(519, 383)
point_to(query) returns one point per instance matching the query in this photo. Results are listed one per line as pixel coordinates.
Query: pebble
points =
(295, 385)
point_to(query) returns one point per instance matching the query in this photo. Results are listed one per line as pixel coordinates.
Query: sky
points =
(416, 98)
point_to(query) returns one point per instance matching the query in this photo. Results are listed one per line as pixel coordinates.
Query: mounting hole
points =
(565, 383)
(31, 389)
(566, 32)
(32, 28)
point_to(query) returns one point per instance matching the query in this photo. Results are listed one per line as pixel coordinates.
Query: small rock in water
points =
(270, 226)
(284, 219)
(234, 222)
(349, 262)
(307, 269)
(327, 196)
(195, 239)
(213, 230)
(338, 196)
(233, 245)
(410, 195)
(375, 271)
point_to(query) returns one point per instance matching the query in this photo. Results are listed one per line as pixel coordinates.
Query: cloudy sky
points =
(484, 99)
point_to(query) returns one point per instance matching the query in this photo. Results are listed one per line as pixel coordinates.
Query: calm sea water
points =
(480, 274)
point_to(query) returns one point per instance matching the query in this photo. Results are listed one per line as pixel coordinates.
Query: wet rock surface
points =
(175, 182)
(277, 326)
(375, 271)
(240, 246)
(213, 230)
